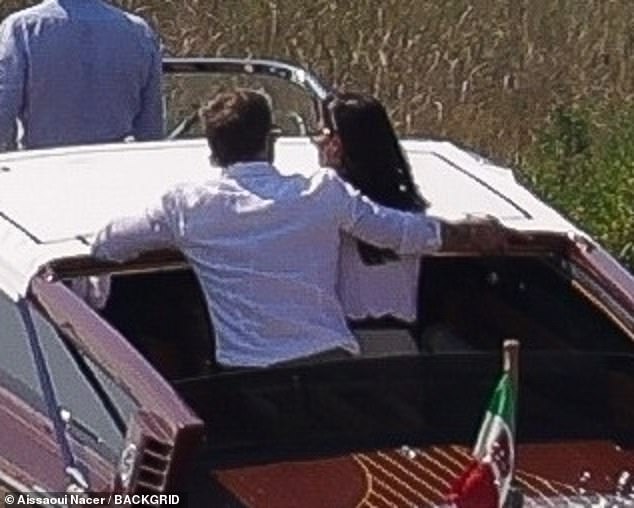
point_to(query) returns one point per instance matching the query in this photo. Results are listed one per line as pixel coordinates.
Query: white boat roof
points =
(53, 201)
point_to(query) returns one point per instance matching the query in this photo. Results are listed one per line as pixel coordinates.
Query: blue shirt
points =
(77, 72)
(265, 248)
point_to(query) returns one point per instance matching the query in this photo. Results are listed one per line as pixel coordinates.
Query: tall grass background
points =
(546, 86)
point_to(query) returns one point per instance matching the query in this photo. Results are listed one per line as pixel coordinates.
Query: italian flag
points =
(486, 481)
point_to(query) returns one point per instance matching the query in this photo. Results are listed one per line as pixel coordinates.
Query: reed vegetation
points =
(500, 76)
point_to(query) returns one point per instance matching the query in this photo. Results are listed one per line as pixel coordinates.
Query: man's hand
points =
(473, 234)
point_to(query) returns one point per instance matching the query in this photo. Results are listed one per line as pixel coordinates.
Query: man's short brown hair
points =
(237, 124)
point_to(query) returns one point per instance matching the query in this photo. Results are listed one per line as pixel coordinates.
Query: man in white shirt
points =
(264, 246)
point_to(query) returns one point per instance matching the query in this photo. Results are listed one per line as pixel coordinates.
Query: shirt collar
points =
(255, 168)
(72, 4)
(75, 2)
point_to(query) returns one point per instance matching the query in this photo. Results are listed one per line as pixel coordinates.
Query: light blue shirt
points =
(265, 248)
(77, 72)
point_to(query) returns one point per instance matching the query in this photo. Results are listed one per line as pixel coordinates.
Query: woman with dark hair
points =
(358, 141)
(369, 155)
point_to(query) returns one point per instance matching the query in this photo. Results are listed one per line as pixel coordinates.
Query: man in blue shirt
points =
(76, 72)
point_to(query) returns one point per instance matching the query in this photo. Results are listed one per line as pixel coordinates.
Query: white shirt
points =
(374, 291)
(265, 248)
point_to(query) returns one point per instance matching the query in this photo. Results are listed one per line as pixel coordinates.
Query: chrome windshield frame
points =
(291, 73)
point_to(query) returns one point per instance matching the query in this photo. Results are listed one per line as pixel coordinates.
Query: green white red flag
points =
(487, 480)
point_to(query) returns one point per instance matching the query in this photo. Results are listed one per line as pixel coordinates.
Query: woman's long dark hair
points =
(373, 160)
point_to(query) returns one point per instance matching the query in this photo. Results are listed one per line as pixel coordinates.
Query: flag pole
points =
(511, 349)
(510, 366)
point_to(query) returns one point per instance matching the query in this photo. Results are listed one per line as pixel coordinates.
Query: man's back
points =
(79, 71)
(265, 248)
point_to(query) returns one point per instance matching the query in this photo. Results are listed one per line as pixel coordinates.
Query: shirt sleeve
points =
(148, 124)
(12, 70)
(403, 232)
(158, 227)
